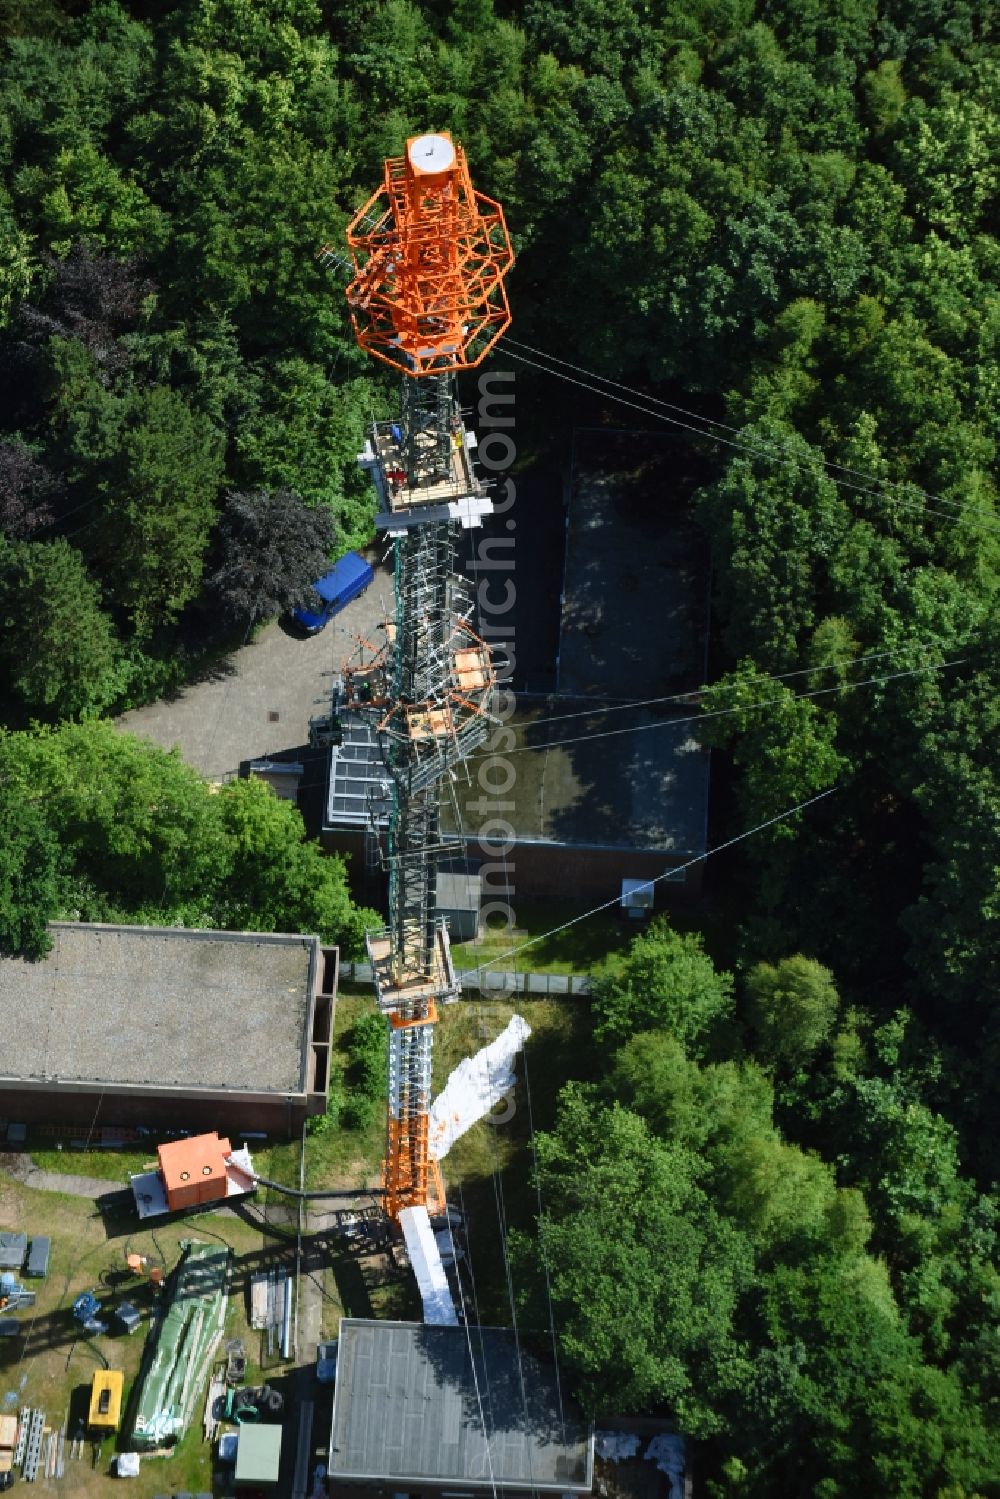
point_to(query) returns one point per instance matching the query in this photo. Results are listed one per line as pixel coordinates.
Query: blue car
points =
(345, 580)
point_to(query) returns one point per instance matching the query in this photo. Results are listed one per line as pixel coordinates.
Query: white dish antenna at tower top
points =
(431, 153)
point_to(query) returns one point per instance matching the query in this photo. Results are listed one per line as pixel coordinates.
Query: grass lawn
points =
(597, 944)
(50, 1366)
(590, 946)
(341, 1157)
(113, 1166)
(352, 1158)
(488, 1171)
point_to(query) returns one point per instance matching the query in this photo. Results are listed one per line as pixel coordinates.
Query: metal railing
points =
(474, 981)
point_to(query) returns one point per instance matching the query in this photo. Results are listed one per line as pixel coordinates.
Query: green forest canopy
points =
(785, 213)
(756, 1220)
(102, 826)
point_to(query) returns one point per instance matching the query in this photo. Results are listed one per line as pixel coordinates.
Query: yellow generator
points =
(106, 1400)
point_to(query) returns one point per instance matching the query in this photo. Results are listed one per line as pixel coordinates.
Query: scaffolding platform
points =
(418, 494)
(438, 983)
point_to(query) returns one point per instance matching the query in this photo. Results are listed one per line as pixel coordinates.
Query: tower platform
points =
(411, 493)
(398, 994)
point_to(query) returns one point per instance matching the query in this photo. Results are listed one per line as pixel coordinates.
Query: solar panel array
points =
(355, 768)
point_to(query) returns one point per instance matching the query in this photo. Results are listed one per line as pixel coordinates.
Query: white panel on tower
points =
(425, 1257)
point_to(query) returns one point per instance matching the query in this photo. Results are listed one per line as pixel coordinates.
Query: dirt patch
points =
(11, 1208)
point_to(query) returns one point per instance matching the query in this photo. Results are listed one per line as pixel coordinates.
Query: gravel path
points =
(315, 1220)
(22, 1169)
(310, 1302)
(75, 1186)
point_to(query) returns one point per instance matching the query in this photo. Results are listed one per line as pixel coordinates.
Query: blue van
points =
(345, 580)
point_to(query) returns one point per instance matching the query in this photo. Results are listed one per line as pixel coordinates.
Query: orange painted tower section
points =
(430, 257)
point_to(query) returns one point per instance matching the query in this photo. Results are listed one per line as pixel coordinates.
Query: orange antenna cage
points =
(430, 255)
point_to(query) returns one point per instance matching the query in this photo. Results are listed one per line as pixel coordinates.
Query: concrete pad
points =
(258, 701)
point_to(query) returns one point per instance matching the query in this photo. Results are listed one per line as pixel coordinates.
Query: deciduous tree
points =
(783, 744)
(279, 880)
(57, 643)
(792, 1006)
(269, 548)
(644, 1274)
(669, 982)
(29, 492)
(32, 885)
(159, 505)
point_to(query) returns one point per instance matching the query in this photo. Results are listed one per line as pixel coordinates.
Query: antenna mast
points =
(430, 256)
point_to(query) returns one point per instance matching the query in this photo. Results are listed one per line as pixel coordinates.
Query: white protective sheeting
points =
(475, 1087)
(425, 1258)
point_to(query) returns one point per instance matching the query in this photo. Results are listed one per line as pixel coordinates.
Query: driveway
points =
(258, 701)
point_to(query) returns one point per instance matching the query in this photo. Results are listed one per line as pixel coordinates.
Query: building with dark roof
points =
(582, 815)
(165, 1026)
(586, 809)
(596, 783)
(420, 1408)
(634, 610)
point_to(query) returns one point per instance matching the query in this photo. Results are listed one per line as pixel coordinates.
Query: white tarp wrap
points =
(425, 1258)
(616, 1446)
(475, 1087)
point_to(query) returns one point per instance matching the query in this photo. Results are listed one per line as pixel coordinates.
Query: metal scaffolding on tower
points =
(430, 256)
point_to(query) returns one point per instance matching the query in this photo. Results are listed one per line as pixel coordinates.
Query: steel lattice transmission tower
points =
(430, 255)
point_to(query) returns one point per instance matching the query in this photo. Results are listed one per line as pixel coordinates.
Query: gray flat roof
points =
(408, 1409)
(645, 790)
(458, 892)
(161, 1007)
(620, 778)
(258, 1454)
(635, 587)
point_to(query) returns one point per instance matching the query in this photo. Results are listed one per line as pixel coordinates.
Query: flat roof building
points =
(598, 774)
(411, 1413)
(635, 602)
(585, 808)
(169, 1026)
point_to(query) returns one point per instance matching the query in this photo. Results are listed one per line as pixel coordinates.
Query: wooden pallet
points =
(216, 1391)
